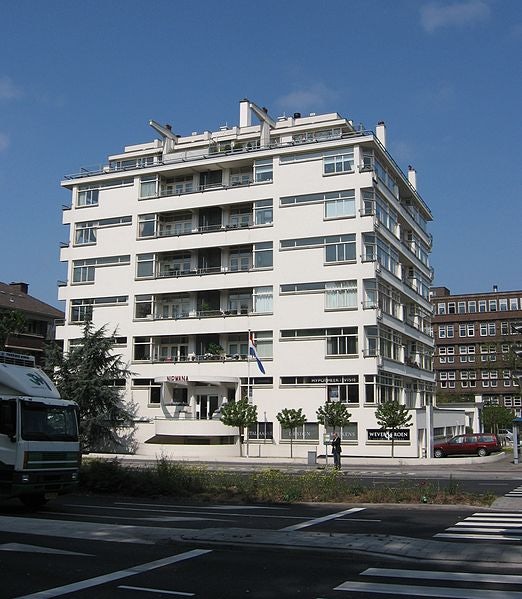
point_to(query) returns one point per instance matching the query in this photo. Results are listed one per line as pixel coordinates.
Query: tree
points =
(290, 419)
(495, 417)
(12, 322)
(88, 374)
(241, 414)
(392, 415)
(333, 414)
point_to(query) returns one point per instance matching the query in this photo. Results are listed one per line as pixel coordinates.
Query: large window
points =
(340, 295)
(307, 432)
(341, 162)
(345, 393)
(263, 300)
(263, 170)
(340, 248)
(87, 197)
(263, 212)
(342, 342)
(263, 255)
(149, 186)
(339, 204)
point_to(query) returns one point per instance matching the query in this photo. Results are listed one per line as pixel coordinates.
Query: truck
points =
(39, 444)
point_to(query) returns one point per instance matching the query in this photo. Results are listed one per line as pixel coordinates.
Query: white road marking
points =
(438, 575)
(322, 519)
(98, 580)
(37, 549)
(478, 537)
(135, 518)
(163, 591)
(421, 591)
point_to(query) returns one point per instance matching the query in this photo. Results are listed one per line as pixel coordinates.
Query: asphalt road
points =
(118, 547)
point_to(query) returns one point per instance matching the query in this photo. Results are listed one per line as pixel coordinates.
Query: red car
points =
(481, 444)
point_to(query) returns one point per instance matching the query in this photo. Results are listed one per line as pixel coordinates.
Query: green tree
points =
(12, 322)
(241, 414)
(495, 417)
(392, 415)
(290, 419)
(88, 374)
(333, 414)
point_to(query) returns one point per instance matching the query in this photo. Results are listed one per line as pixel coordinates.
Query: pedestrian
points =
(336, 450)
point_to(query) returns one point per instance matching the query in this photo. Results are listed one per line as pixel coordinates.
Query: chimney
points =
(245, 114)
(412, 176)
(380, 132)
(20, 287)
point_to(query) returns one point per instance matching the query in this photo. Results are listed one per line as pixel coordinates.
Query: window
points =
(146, 225)
(263, 212)
(264, 343)
(342, 342)
(503, 305)
(241, 176)
(263, 255)
(339, 162)
(472, 307)
(145, 265)
(344, 393)
(263, 170)
(451, 308)
(482, 305)
(87, 197)
(148, 186)
(308, 432)
(339, 204)
(177, 185)
(143, 306)
(85, 233)
(441, 308)
(492, 305)
(239, 259)
(513, 303)
(263, 300)
(261, 430)
(83, 271)
(461, 307)
(340, 295)
(340, 248)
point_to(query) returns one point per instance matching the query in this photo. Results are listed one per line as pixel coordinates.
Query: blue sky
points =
(81, 79)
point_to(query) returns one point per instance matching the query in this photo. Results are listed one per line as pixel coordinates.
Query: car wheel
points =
(482, 452)
(438, 453)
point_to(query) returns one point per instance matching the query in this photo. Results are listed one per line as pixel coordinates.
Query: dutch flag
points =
(252, 352)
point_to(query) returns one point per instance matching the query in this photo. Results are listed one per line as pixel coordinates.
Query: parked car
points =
(481, 444)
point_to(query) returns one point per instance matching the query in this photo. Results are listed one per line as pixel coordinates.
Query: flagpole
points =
(248, 383)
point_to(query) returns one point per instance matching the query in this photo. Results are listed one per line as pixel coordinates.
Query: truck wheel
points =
(33, 501)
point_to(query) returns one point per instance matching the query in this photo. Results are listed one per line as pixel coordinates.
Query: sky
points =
(79, 80)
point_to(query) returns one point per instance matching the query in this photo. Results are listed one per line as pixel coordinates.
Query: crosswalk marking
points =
(415, 590)
(420, 591)
(487, 526)
(437, 574)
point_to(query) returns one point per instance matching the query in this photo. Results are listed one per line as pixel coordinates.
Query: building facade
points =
(475, 335)
(39, 321)
(301, 231)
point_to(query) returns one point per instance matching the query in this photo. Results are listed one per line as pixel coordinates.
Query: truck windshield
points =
(41, 422)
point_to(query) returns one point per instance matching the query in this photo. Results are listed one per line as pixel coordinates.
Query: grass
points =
(172, 479)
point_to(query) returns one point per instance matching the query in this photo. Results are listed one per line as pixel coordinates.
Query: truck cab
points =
(39, 445)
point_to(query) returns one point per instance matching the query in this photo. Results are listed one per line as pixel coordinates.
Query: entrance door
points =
(207, 405)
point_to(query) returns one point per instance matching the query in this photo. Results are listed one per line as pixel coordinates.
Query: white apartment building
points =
(302, 230)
